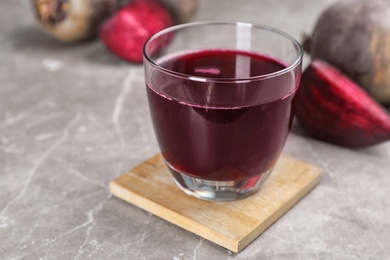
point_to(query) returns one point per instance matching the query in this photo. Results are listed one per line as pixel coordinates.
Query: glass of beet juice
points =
(221, 98)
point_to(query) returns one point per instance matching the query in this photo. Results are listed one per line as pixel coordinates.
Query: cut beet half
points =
(334, 109)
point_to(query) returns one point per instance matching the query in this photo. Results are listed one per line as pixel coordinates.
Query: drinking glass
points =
(221, 98)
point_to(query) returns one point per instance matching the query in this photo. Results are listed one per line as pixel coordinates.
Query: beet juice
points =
(221, 97)
(212, 127)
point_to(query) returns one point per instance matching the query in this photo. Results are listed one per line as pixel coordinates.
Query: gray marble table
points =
(72, 118)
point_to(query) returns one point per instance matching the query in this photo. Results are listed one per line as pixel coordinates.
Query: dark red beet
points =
(334, 109)
(126, 32)
(354, 36)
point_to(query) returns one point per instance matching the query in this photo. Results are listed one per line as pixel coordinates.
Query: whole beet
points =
(354, 36)
(126, 32)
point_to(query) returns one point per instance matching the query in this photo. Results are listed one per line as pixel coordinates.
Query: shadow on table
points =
(98, 53)
(34, 38)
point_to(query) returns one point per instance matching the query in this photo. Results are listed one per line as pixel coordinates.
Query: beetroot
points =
(126, 32)
(334, 109)
(73, 20)
(354, 37)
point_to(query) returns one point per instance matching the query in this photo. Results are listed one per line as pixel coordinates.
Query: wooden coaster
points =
(232, 225)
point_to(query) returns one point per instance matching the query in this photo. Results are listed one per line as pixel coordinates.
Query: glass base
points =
(218, 190)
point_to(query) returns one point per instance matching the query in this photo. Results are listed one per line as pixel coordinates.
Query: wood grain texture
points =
(232, 225)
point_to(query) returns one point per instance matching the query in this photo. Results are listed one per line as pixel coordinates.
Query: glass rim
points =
(289, 68)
